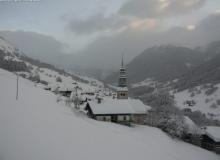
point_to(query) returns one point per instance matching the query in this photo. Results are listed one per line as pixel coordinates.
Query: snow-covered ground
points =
(46, 74)
(50, 76)
(6, 46)
(203, 102)
(36, 127)
(146, 82)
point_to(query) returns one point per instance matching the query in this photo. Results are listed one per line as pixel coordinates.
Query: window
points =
(104, 118)
(124, 118)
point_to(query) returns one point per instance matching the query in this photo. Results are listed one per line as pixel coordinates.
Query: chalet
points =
(121, 109)
(65, 91)
(211, 139)
(124, 111)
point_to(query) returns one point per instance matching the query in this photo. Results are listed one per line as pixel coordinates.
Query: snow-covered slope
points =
(37, 128)
(50, 76)
(204, 99)
(6, 46)
(14, 60)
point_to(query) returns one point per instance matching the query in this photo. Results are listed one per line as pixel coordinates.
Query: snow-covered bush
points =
(211, 90)
(213, 106)
(173, 125)
(207, 100)
(58, 79)
(218, 102)
(192, 94)
(35, 77)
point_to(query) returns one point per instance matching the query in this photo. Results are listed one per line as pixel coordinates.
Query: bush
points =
(207, 100)
(213, 106)
(58, 79)
(43, 82)
(211, 90)
(35, 78)
(192, 94)
(173, 125)
(218, 102)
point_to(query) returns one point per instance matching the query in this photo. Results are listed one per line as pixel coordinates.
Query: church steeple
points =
(122, 75)
(122, 60)
(122, 92)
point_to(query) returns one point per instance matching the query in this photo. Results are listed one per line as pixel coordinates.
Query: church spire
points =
(122, 91)
(122, 74)
(122, 60)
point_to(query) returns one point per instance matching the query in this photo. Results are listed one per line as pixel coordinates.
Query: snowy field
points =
(37, 128)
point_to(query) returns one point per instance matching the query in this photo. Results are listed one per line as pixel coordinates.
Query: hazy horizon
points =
(98, 32)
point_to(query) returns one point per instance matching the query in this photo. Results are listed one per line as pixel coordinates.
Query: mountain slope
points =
(161, 64)
(36, 127)
(13, 59)
(207, 72)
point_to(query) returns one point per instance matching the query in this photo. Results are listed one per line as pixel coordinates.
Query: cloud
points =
(96, 23)
(106, 51)
(159, 8)
(43, 47)
(137, 14)
(112, 24)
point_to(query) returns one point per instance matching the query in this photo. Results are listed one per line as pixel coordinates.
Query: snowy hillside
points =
(37, 127)
(205, 98)
(14, 60)
(6, 47)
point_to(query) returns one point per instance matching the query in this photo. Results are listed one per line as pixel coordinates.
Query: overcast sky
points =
(85, 25)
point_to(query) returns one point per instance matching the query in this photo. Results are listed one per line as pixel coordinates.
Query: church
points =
(121, 109)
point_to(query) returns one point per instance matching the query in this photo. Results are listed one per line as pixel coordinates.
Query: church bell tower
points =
(122, 92)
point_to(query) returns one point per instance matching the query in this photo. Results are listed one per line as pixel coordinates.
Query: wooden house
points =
(123, 111)
(211, 139)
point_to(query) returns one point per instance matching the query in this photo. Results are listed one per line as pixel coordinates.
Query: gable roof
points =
(213, 132)
(118, 106)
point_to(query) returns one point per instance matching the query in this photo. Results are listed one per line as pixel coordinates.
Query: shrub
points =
(192, 94)
(58, 79)
(43, 82)
(207, 100)
(213, 106)
(211, 90)
(218, 102)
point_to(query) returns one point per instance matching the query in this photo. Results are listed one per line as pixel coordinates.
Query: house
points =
(121, 109)
(211, 138)
(124, 111)
(65, 90)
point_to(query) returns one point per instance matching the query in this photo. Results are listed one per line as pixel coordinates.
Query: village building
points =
(64, 91)
(211, 138)
(120, 109)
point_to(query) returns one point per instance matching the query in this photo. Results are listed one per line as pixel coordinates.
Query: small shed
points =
(211, 138)
(65, 91)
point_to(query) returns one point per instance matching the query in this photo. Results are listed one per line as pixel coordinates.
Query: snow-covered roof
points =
(66, 87)
(119, 106)
(191, 126)
(213, 132)
(118, 88)
(122, 89)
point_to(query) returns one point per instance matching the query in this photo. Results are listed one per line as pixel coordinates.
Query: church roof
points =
(118, 106)
(122, 89)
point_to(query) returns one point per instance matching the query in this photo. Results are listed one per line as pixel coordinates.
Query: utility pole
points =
(17, 87)
(76, 100)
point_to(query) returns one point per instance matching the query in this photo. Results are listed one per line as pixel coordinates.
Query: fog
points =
(100, 32)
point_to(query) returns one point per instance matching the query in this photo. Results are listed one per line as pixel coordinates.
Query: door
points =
(114, 118)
